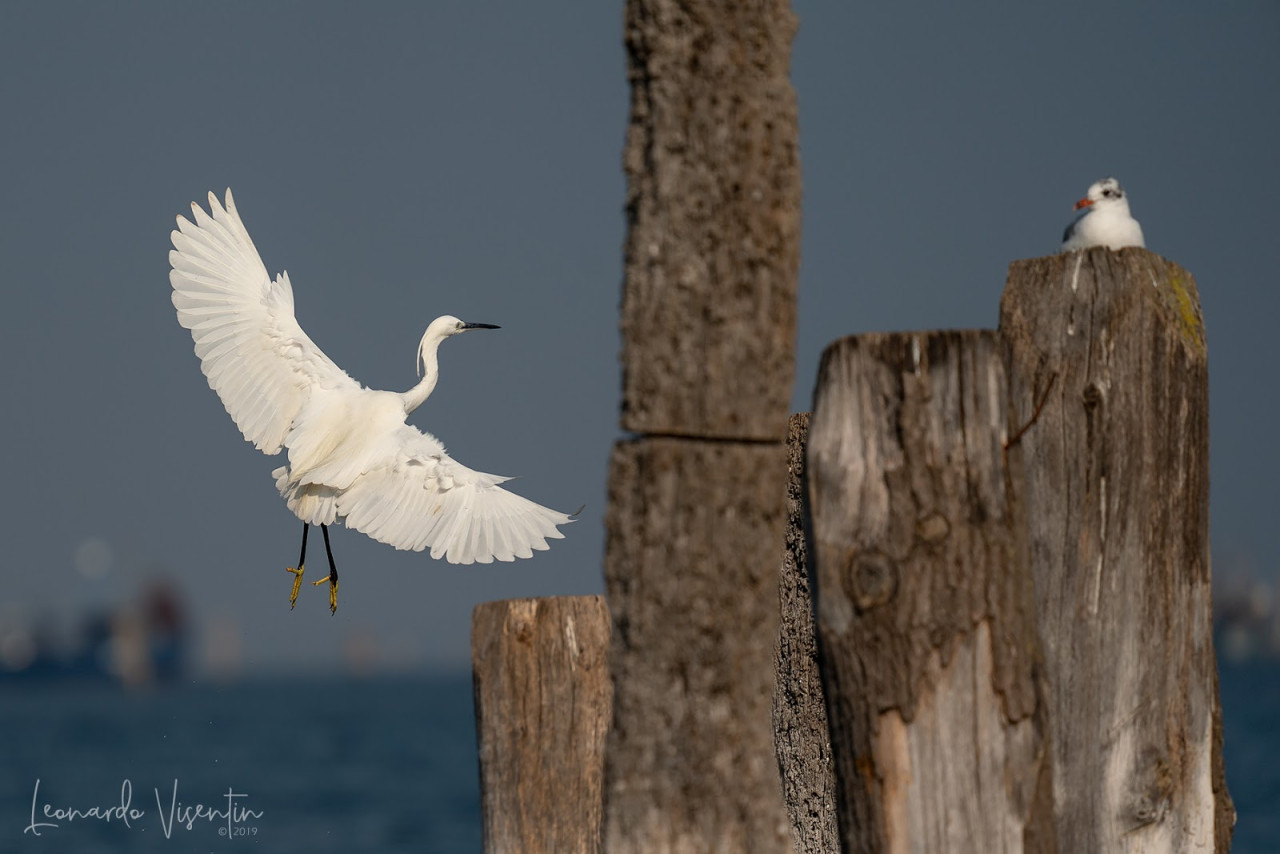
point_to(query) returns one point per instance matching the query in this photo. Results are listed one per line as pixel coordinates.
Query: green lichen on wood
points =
(1186, 305)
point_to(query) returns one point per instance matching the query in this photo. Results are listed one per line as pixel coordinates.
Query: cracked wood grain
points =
(925, 616)
(1117, 495)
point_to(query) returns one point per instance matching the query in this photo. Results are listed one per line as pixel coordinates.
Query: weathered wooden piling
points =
(802, 735)
(543, 706)
(924, 605)
(1117, 495)
(696, 513)
(1007, 535)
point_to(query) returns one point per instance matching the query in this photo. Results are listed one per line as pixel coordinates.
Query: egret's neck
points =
(414, 397)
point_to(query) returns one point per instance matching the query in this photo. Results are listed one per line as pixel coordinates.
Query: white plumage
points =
(351, 454)
(1104, 220)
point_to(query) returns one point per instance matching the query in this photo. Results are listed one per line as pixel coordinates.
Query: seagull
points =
(352, 456)
(1104, 220)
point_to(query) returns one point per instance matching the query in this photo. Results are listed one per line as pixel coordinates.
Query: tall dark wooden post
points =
(1117, 492)
(928, 646)
(695, 516)
(801, 730)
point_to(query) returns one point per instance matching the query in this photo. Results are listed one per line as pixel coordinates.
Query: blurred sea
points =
(377, 765)
(338, 765)
(1251, 750)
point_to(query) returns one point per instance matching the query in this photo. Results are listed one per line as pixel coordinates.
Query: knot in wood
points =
(870, 579)
(1154, 786)
(933, 528)
(521, 619)
(1092, 396)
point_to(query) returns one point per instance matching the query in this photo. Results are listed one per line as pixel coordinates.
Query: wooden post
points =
(803, 739)
(713, 208)
(543, 705)
(696, 512)
(924, 604)
(1117, 492)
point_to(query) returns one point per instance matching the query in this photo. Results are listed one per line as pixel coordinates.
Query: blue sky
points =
(403, 161)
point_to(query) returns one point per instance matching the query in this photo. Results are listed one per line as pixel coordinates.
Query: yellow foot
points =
(297, 583)
(333, 592)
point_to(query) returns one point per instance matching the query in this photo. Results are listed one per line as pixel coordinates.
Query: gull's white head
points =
(1104, 193)
(440, 329)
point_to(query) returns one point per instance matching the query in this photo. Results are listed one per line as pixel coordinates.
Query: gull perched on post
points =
(1104, 220)
(351, 455)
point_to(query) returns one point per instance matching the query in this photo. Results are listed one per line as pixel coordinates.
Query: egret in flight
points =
(351, 455)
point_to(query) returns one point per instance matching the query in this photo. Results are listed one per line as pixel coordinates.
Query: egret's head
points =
(440, 329)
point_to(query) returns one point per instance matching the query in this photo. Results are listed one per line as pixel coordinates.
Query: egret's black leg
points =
(297, 573)
(333, 573)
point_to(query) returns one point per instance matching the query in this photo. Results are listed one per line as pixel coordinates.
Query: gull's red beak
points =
(1083, 203)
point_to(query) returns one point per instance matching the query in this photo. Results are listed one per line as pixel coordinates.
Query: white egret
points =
(351, 455)
(1105, 220)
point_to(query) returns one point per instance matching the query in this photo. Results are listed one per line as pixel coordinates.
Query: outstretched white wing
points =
(421, 498)
(251, 348)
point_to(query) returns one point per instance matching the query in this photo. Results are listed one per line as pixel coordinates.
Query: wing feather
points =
(420, 498)
(252, 350)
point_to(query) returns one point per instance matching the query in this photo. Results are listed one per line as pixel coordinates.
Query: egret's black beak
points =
(480, 326)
